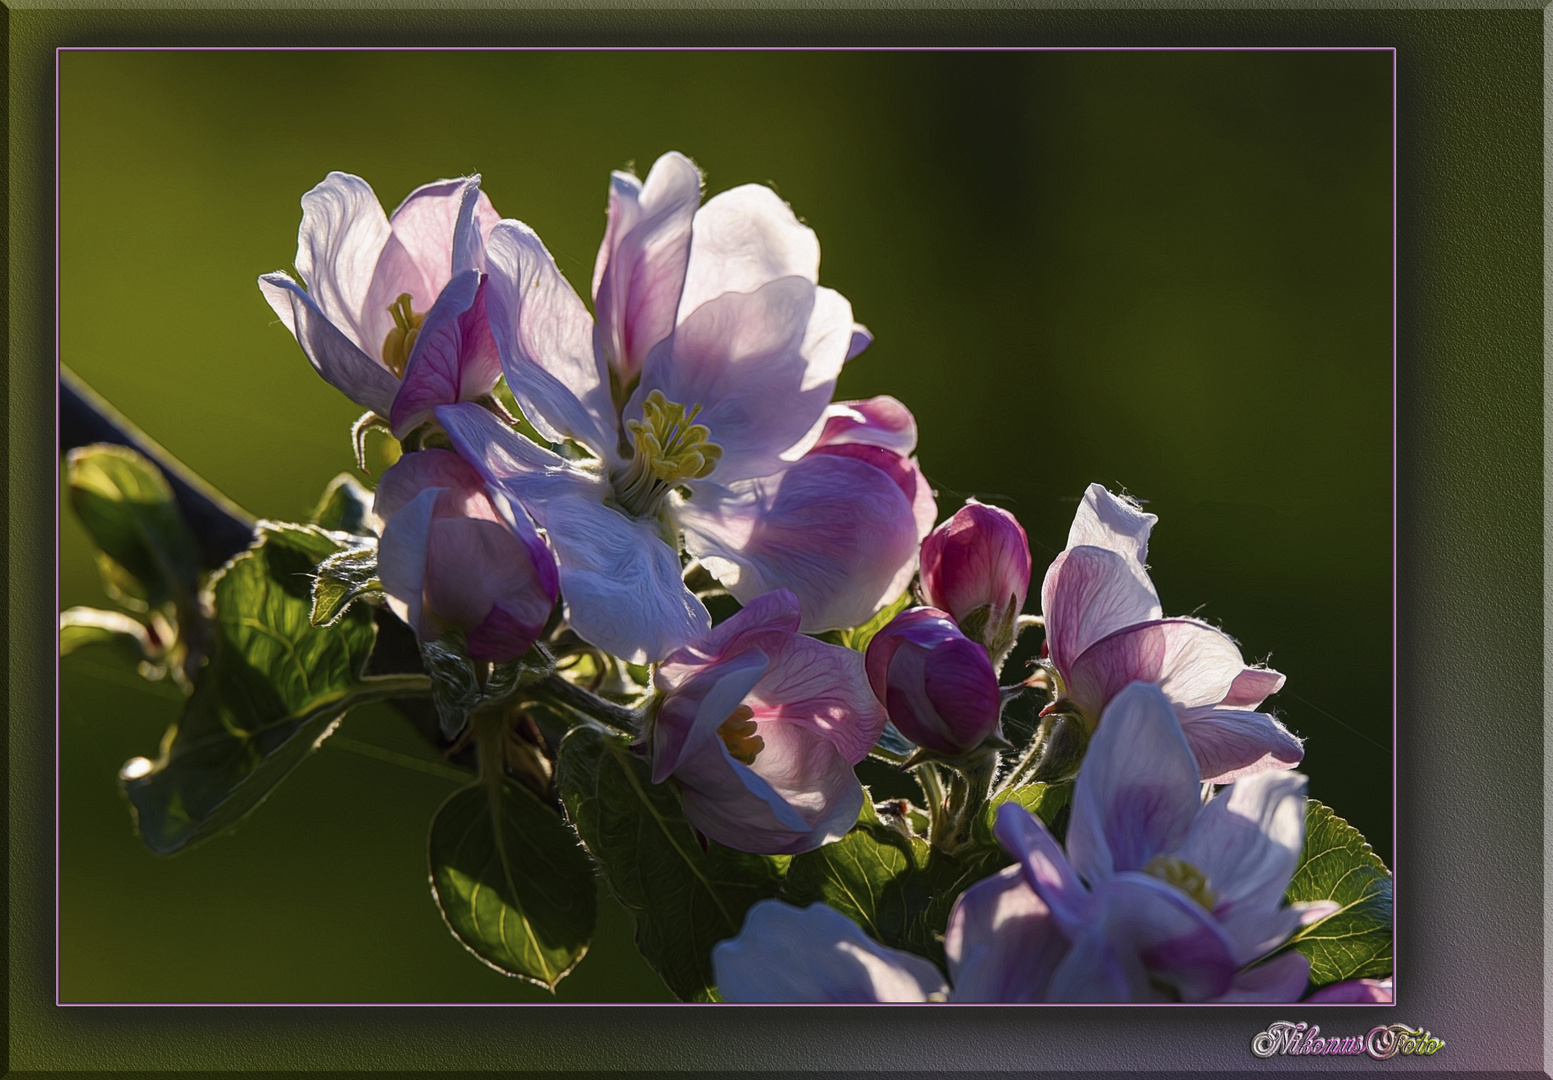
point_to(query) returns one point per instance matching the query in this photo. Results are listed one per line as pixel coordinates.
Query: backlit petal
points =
(1090, 593)
(1002, 943)
(342, 235)
(742, 239)
(332, 354)
(1193, 663)
(454, 358)
(1232, 743)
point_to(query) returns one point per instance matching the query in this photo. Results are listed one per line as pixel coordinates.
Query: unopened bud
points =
(937, 685)
(976, 566)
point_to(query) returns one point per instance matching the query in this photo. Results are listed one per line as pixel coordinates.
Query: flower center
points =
(1184, 876)
(668, 450)
(401, 339)
(738, 735)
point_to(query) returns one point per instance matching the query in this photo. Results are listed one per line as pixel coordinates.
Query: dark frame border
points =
(1470, 777)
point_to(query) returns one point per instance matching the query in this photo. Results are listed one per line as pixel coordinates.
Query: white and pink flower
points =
(1105, 629)
(393, 313)
(761, 726)
(698, 412)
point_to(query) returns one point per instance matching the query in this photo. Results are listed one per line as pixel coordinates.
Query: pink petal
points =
(879, 421)
(454, 358)
(800, 793)
(696, 702)
(904, 471)
(837, 532)
(641, 264)
(1230, 744)
(1252, 687)
(428, 220)
(1193, 663)
(474, 564)
(530, 474)
(1002, 943)
(1176, 941)
(545, 337)
(743, 239)
(1090, 593)
(1137, 791)
(328, 348)
(822, 689)
(413, 473)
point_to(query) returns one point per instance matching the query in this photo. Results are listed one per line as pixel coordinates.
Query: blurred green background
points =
(1168, 272)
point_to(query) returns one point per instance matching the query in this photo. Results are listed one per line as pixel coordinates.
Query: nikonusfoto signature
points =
(1386, 1041)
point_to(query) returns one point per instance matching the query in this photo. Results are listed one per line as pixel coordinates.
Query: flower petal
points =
(1193, 663)
(1137, 791)
(742, 239)
(413, 473)
(1252, 686)
(816, 954)
(641, 264)
(511, 463)
(1002, 942)
(821, 688)
(1090, 593)
(800, 793)
(331, 352)
(837, 532)
(1231, 743)
(440, 226)
(1355, 992)
(1044, 866)
(1247, 842)
(904, 471)
(1096, 971)
(621, 582)
(1283, 978)
(1178, 943)
(473, 565)
(1115, 523)
(401, 560)
(696, 705)
(454, 358)
(761, 366)
(861, 339)
(342, 235)
(545, 338)
(878, 421)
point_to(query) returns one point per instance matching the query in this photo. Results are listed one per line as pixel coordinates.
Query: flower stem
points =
(554, 690)
(933, 794)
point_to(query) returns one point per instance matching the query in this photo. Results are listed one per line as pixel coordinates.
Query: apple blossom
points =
(937, 684)
(976, 566)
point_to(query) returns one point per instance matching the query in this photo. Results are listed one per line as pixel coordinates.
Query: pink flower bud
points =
(453, 554)
(976, 566)
(937, 685)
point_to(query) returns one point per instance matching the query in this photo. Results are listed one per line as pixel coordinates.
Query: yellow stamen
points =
(1184, 876)
(401, 339)
(669, 449)
(738, 735)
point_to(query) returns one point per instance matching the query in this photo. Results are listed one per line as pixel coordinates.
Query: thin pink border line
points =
(701, 48)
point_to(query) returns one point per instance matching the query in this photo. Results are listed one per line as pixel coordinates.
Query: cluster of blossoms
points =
(681, 441)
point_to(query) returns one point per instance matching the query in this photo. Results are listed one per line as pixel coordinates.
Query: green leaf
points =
(684, 897)
(147, 556)
(1045, 801)
(346, 506)
(341, 580)
(859, 636)
(1338, 864)
(457, 690)
(273, 690)
(82, 626)
(511, 881)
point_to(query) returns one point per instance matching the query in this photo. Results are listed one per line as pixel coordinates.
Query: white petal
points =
(342, 235)
(545, 337)
(1230, 743)
(816, 954)
(1192, 662)
(401, 560)
(332, 354)
(761, 366)
(1137, 791)
(1112, 522)
(523, 470)
(838, 533)
(1002, 943)
(1090, 593)
(621, 582)
(742, 239)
